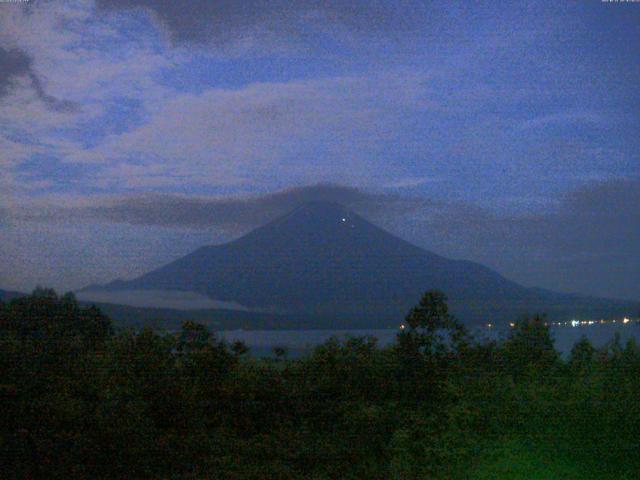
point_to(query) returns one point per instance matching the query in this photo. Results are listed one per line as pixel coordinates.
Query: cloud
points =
(317, 130)
(52, 102)
(592, 242)
(204, 137)
(233, 214)
(600, 218)
(4, 215)
(410, 182)
(589, 242)
(16, 64)
(596, 219)
(62, 75)
(559, 119)
(258, 22)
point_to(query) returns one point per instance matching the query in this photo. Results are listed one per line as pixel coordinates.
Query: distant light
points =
(575, 323)
(512, 324)
(402, 327)
(625, 320)
(344, 219)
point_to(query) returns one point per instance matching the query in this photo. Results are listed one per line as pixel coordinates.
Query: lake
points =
(300, 342)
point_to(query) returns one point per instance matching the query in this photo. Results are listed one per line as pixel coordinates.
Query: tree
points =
(529, 348)
(203, 357)
(193, 336)
(432, 329)
(239, 348)
(280, 352)
(582, 354)
(428, 350)
(59, 319)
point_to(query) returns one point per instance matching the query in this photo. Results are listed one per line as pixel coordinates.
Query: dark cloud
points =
(225, 21)
(600, 217)
(592, 243)
(16, 64)
(234, 214)
(52, 103)
(589, 243)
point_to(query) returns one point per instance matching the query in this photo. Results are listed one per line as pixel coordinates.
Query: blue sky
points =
(511, 112)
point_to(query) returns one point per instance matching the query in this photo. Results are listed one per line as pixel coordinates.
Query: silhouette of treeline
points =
(80, 401)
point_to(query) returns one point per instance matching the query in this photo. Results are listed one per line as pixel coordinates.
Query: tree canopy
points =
(83, 401)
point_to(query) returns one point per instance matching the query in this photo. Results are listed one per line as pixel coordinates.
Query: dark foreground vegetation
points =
(79, 401)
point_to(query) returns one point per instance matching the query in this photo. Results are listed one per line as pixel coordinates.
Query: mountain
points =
(324, 261)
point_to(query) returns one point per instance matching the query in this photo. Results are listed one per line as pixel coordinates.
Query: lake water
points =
(300, 342)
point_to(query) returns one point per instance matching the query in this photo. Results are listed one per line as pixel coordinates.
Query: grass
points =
(515, 459)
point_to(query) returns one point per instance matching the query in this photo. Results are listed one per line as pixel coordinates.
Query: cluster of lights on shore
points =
(577, 323)
(570, 323)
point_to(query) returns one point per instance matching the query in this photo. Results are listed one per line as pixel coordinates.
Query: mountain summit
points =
(322, 259)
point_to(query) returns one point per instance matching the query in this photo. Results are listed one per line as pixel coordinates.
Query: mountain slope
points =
(322, 259)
